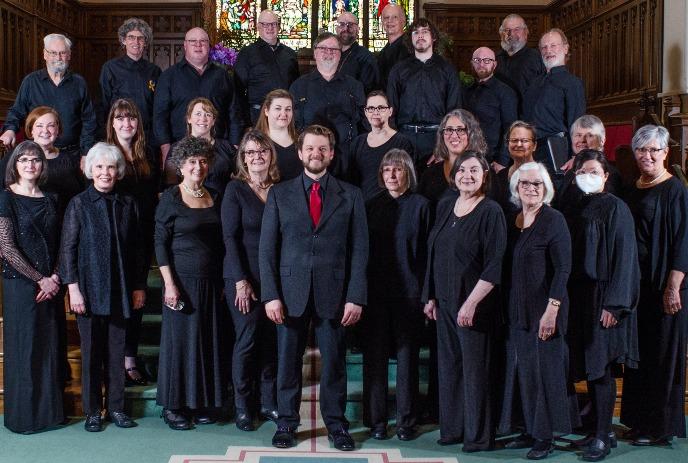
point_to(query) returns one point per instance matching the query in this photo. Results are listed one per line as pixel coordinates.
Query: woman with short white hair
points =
(101, 262)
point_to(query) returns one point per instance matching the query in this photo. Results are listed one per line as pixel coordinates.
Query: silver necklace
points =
(195, 193)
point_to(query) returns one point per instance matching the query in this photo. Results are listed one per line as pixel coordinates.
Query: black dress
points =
(462, 251)
(29, 239)
(654, 394)
(365, 161)
(193, 360)
(254, 358)
(288, 162)
(536, 379)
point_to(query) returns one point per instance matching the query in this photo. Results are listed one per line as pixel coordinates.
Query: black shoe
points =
(406, 433)
(269, 414)
(472, 448)
(541, 449)
(94, 423)
(596, 450)
(523, 441)
(133, 377)
(584, 442)
(342, 440)
(449, 441)
(379, 432)
(121, 420)
(644, 440)
(244, 422)
(176, 420)
(284, 438)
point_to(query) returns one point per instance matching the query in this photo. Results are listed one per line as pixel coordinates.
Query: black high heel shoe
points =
(136, 379)
(175, 420)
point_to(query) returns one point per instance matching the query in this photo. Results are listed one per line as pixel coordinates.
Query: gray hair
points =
(135, 24)
(50, 37)
(108, 152)
(398, 157)
(588, 121)
(476, 139)
(648, 133)
(513, 16)
(516, 176)
(556, 30)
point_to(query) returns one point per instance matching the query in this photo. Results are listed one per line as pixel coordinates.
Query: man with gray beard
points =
(517, 64)
(61, 89)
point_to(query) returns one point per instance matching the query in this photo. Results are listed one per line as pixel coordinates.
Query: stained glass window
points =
(295, 23)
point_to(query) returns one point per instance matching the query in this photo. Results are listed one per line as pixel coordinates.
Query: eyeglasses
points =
(649, 151)
(523, 141)
(525, 184)
(135, 38)
(32, 161)
(448, 131)
(256, 153)
(328, 50)
(375, 109)
(508, 31)
(55, 54)
(346, 25)
(269, 25)
(483, 60)
(195, 42)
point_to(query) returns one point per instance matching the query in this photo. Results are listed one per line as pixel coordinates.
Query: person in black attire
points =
(368, 149)
(536, 385)
(192, 375)
(276, 120)
(494, 104)
(61, 89)
(393, 22)
(517, 64)
(465, 251)
(193, 77)
(423, 88)
(254, 357)
(131, 75)
(124, 129)
(654, 395)
(521, 141)
(263, 66)
(356, 61)
(330, 98)
(29, 241)
(101, 262)
(553, 101)
(395, 279)
(604, 288)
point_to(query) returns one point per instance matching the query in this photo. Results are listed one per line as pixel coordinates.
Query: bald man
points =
(356, 61)
(192, 77)
(494, 103)
(263, 66)
(394, 24)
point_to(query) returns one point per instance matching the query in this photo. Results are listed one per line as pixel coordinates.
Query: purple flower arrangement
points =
(223, 55)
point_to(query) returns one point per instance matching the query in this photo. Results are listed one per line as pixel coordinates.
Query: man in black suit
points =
(313, 256)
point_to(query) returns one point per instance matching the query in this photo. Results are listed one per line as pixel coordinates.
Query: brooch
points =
(151, 85)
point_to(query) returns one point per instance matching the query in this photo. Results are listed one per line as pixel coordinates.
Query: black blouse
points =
(288, 162)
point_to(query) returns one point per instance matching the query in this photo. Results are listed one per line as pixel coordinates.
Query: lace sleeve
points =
(12, 255)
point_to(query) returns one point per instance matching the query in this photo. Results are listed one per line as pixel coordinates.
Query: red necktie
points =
(315, 203)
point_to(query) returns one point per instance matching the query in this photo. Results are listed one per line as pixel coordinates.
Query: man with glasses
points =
(61, 89)
(494, 104)
(192, 77)
(263, 66)
(517, 64)
(393, 22)
(356, 61)
(330, 98)
(423, 88)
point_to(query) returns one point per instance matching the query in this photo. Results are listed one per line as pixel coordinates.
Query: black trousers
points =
(391, 326)
(254, 358)
(463, 356)
(423, 144)
(102, 361)
(292, 336)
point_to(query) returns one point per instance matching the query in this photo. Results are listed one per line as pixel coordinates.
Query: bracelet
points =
(554, 302)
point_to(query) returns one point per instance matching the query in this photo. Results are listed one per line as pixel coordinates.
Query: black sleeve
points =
(268, 251)
(69, 248)
(164, 228)
(493, 243)
(9, 249)
(624, 272)
(560, 256)
(231, 230)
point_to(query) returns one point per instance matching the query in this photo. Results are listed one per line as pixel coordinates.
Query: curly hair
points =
(135, 24)
(191, 146)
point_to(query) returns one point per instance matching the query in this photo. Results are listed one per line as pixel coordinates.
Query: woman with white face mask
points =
(604, 288)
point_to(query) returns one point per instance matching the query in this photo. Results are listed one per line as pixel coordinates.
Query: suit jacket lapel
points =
(332, 200)
(300, 201)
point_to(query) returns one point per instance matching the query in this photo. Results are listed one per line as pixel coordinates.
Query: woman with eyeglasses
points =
(367, 150)
(604, 286)
(29, 241)
(458, 132)
(276, 120)
(654, 394)
(254, 358)
(535, 383)
(465, 250)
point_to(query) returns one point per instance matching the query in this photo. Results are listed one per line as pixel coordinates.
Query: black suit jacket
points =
(329, 259)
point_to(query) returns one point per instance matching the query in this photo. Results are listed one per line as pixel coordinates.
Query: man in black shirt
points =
(356, 61)
(263, 66)
(422, 89)
(132, 76)
(494, 104)
(517, 65)
(192, 77)
(553, 102)
(57, 87)
(330, 98)
(393, 22)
